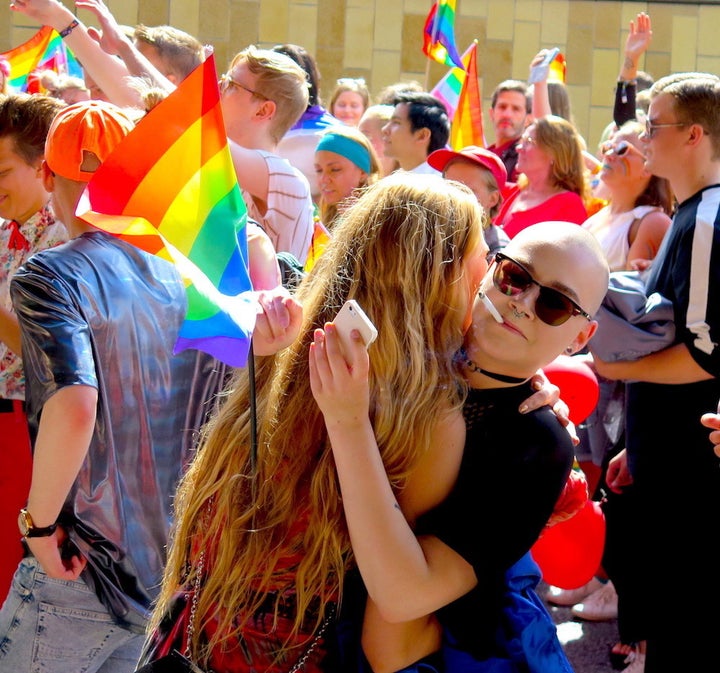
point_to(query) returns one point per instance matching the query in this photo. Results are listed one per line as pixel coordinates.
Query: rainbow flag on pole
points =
(467, 123)
(439, 34)
(170, 189)
(449, 87)
(43, 51)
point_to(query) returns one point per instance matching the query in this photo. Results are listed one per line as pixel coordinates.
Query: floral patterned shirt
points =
(41, 231)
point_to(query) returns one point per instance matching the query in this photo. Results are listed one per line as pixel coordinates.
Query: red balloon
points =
(569, 553)
(578, 385)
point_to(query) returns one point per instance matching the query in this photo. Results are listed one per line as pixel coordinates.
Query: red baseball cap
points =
(439, 159)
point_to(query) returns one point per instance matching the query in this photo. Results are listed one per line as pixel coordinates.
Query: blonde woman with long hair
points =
(268, 535)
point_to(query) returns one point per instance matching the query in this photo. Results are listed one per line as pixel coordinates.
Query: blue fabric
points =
(56, 625)
(346, 147)
(527, 633)
(631, 323)
(526, 637)
(315, 118)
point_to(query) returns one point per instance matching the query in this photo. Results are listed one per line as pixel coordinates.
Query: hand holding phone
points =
(540, 72)
(350, 317)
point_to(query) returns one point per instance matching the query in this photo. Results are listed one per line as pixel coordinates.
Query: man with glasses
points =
(263, 94)
(676, 477)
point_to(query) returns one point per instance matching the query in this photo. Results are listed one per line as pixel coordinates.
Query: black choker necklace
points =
(504, 378)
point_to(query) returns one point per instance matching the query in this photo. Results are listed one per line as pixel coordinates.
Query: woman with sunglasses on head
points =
(553, 181)
(633, 224)
(441, 576)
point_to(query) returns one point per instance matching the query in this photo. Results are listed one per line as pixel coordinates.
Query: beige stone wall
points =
(381, 39)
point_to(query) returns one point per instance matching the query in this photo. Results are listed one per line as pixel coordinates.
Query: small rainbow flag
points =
(439, 34)
(170, 189)
(467, 123)
(558, 69)
(449, 87)
(43, 51)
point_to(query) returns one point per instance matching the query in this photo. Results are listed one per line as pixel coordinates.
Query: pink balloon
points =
(569, 553)
(578, 385)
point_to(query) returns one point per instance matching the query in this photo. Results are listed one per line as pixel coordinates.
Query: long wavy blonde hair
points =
(399, 252)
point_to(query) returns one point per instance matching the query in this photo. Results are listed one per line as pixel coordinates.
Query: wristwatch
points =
(29, 529)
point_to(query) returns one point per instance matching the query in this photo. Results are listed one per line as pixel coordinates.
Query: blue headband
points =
(346, 147)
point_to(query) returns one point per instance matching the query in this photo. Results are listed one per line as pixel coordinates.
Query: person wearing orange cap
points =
(27, 224)
(112, 415)
(485, 174)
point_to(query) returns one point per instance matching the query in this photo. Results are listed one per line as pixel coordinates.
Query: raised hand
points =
(112, 37)
(637, 43)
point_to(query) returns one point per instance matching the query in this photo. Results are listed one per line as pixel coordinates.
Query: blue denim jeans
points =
(59, 626)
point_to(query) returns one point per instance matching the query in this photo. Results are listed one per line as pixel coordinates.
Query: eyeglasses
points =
(552, 307)
(527, 141)
(651, 127)
(227, 81)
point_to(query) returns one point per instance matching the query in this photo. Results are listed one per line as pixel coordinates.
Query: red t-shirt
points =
(566, 206)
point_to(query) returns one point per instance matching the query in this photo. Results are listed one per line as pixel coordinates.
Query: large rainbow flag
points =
(170, 188)
(439, 34)
(43, 51)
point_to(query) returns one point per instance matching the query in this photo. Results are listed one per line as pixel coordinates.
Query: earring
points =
(569, 350)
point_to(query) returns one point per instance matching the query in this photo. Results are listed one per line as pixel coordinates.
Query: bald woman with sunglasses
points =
(443, 573)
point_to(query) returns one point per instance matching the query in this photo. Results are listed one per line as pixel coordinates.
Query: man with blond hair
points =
(263, 94)
(675, 477)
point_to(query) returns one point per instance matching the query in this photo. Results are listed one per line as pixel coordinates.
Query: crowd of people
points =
(339, 507)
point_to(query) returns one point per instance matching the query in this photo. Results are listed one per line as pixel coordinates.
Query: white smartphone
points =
(540, 71)
(350, 317)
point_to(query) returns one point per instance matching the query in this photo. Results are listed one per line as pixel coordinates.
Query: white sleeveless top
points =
(612, 232)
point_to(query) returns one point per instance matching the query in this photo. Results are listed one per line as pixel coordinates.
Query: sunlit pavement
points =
(587, 644)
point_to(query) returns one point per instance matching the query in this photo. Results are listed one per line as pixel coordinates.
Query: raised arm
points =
(405, 577)
(109, 72)
(637, 43)
(540, 96)
(114, 41)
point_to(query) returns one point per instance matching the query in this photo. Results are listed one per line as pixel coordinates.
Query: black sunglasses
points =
(552, 307)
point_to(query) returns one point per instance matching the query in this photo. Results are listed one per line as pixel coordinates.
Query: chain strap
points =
(305, 656)
(193, 608)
